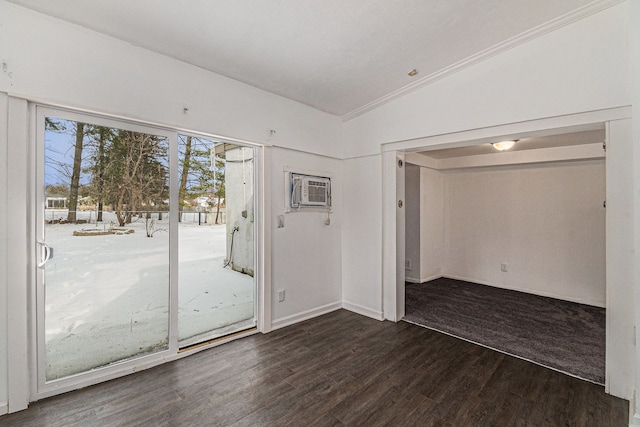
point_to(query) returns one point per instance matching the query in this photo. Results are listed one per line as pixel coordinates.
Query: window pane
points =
(106, 218)
(216, 286)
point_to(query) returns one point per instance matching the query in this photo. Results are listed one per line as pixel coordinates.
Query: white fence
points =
(56, 216)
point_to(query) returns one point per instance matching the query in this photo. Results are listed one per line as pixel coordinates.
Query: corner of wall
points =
(634, 69)
(361, 238)
(305, 315)
(364, 311)
(634, 417)
(3, 254)
(306, 252)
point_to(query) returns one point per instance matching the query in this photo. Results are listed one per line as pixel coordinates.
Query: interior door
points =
(103, 288)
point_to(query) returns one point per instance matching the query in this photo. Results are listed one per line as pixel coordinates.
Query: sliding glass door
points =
(145, 245)
(216, 291)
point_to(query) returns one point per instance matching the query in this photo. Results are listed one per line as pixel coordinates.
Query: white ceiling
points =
(334, 55)
(560, 140)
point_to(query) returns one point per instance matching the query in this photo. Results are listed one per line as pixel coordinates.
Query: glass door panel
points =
(216, 287)
(104, 292)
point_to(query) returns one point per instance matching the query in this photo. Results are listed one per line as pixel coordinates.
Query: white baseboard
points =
(634, 417)
(528, 291)
(422, 279)
(4, 408)
(430, 278)
(364, 311)
(305, 315)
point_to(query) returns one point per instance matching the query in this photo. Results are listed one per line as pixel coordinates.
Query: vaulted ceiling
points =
(334, 55)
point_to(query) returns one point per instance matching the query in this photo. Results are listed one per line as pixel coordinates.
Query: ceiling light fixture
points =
(412, 72)
(503, 145)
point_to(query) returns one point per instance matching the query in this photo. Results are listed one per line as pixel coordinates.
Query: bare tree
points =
(184, 175)
(218, 179)
(135, 173)
(102, 136)
(75, 174)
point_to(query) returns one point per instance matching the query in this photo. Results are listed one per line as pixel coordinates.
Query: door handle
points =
(48, 254)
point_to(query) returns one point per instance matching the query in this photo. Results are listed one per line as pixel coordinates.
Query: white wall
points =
(62, 63)
(621, 283)
(432, 224)
(580, 67)
(634, 70)
(3, 255)
(362, 236)
(546, 222)
(306, 253)
(412, 222)
(48, 60)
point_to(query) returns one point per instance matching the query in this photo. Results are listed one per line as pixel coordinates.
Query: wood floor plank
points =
(340, 369)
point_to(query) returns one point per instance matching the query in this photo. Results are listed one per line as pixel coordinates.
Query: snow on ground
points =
(107, 297)
(202, 251)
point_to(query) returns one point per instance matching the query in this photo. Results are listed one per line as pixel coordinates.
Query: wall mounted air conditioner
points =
(310, 191)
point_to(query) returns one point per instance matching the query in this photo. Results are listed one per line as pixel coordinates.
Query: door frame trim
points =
(19, 263)
(393, 279)
(22, 190)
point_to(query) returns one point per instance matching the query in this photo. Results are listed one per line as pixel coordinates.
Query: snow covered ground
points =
(107, 297)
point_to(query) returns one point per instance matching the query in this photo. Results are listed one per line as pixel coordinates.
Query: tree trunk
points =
(183, 177)
(101, 164)
(120, 214)
(75, 175)
(218, 210)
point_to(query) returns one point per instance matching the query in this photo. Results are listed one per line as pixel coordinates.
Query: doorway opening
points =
(619, 191)
(528, 224)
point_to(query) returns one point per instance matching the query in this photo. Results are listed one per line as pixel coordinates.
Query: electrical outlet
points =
(407, 264)
(281, 295)
(503, 267)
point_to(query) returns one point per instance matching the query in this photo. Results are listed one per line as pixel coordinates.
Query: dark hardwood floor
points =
(337, 369)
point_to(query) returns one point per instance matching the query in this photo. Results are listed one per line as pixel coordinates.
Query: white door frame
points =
(393, 235)
(19, 263)
(40, 387)
(620, 333)
(21, 236)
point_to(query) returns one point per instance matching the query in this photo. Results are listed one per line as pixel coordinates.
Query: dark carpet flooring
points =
(562, 335)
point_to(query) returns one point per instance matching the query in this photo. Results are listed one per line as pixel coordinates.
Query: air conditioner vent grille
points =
(310, 191)
(317, 192)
